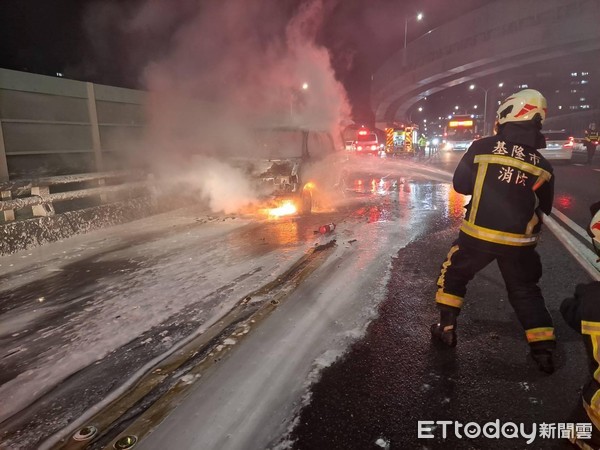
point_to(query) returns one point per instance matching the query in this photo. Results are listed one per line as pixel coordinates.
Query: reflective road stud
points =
(125, 442)
(85, 434)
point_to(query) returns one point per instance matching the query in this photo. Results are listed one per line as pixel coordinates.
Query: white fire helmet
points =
(594, 229)
(522, 106)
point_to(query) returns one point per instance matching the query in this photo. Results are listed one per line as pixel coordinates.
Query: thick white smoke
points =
(226, 188)
(225, 68)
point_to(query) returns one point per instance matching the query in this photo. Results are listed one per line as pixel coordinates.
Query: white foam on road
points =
(249, 401)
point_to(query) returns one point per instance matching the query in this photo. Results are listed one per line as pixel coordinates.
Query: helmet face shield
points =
(522, 106)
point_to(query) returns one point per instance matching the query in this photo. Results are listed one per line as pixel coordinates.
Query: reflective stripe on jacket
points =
(510, 184)
(592, 135)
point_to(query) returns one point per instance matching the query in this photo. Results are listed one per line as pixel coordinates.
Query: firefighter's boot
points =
(444, 332)
(543, 358)
(445, 335)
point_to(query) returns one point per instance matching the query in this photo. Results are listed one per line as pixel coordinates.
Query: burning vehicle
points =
(288, 166)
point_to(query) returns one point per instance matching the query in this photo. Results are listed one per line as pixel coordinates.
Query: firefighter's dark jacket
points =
(582, 313)
(511, 184)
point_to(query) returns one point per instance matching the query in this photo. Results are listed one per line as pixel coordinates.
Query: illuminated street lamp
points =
(472, 87)
(304, 88)
(418, 17)
(420, 109)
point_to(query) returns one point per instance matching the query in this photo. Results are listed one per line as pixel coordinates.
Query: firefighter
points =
(511, 185)
(591, 141)
(582, 313)
(422, 143)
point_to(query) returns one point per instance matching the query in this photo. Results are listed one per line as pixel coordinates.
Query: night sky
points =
(47, 37)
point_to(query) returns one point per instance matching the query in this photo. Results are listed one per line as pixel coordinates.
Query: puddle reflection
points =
(565, 201)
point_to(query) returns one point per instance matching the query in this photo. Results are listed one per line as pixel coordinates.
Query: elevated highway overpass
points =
(501, 37)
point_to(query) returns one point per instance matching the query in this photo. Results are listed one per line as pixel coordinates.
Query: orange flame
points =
(286, 208)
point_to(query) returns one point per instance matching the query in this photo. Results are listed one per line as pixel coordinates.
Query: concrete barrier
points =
(38, 211)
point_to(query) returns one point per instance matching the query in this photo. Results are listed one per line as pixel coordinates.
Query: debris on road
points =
(324, 229)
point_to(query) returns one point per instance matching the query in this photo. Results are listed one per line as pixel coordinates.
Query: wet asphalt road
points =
(390, 379)
(49, 315)
(117, 268)
(375, 396)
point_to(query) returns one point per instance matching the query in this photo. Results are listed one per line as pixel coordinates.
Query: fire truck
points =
(401, 139)
(460, 131)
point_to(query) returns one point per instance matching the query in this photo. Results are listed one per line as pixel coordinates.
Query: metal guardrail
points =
(36, 194)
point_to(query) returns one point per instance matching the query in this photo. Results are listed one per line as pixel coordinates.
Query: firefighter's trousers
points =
(591, 150)
(521, 275)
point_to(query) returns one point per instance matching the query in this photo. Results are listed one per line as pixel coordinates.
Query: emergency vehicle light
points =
(363, 132)
(570, 143)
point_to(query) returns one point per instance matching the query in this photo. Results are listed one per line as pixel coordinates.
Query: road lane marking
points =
(576, 228)
(583, 255)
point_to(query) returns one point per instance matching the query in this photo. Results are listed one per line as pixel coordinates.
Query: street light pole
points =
(485, 127)
(420, 108)
(418, 18)
(485, 101)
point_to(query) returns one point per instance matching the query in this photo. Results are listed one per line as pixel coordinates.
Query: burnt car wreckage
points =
(283, 166)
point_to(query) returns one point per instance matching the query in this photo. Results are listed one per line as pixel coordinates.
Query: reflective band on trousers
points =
(595, 338)
(595, 403)
(448, 299)
(593, 330)
(498, 237)
(445, 265)
(588, 327)
(540, 334)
